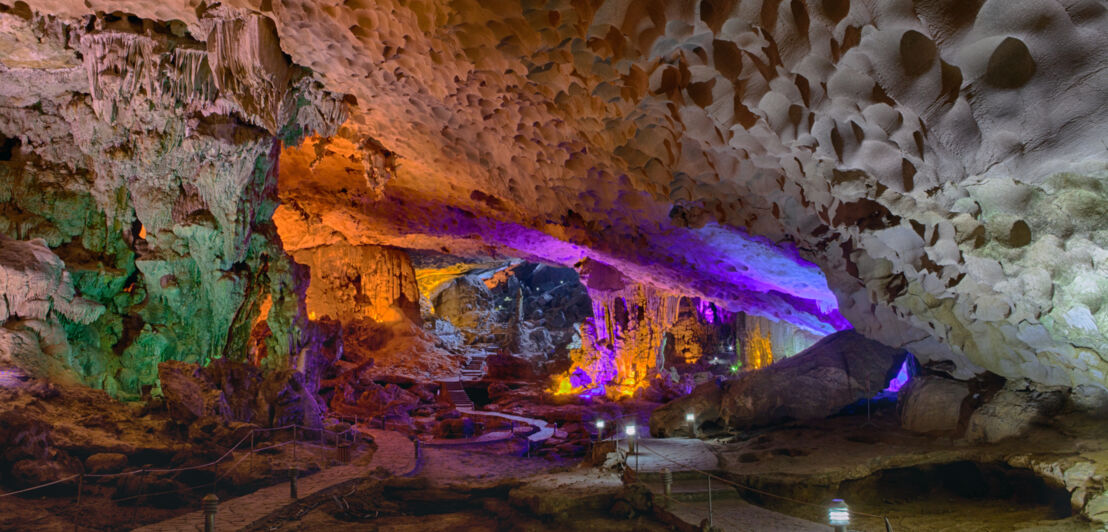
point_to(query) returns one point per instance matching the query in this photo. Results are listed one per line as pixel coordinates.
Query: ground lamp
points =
(838, 515)
(599, 429)
(690, 418)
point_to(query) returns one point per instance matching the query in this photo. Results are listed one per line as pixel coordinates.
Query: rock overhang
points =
(835, 129)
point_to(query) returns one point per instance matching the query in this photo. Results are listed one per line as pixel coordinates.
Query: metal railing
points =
(709, 476)
(295, 441)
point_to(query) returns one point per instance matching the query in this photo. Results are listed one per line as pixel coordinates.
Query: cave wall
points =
(941, 162)
(146, 161)
(360, 282)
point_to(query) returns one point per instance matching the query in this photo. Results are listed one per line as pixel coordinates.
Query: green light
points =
(735, 368)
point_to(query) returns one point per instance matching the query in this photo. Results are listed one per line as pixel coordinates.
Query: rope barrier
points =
(189, 468)
(60, 480)
(742, 486)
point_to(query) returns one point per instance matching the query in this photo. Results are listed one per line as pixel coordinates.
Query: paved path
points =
(545, 429)
(687, 458)
(395, 453)
(735, 515)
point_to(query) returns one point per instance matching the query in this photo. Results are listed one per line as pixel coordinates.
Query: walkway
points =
(395, 453)
(689, 459)
(457, 395)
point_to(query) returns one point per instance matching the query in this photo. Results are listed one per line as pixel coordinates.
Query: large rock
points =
(1090, 399)
(838, 370)
(37, 472)
(1013, 410)
(504, 366)
(704, 402)
(932, 404)
(468, 304)
(188, 395)
(105, 463)
(233, 391)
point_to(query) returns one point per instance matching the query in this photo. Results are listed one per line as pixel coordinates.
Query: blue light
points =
(901, 377)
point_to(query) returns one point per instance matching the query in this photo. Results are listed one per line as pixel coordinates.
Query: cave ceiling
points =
(929, 172)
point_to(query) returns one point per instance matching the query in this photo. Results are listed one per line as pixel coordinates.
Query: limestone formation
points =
(704, 404)
(1012, 411)
(932, 404)
(930, 173)
(835, 372)
(362, 282)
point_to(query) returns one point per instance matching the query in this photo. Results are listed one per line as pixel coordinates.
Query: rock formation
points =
(363, 282)
(835, 372)
(146, 159)
(930, 173)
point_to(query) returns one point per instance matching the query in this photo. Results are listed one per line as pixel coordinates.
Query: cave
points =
(806, 265)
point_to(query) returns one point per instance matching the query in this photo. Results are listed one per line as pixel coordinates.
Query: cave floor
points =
(394, 453)
(845, 456)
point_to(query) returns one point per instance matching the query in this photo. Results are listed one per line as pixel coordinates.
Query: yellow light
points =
(311, 316)
(759, 348)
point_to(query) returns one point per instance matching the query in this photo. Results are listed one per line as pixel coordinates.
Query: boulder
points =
(467, 303)
(188, 395)
(1090, 399)
(704, 402)
(26, 473)
(105, 463)
(932, 404)
(505, 366)
(287, 399)
(455, 428)
(840, 369)
(1013, 410)
(234, 391)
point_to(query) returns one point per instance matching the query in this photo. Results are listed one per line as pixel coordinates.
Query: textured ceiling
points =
(912, 151)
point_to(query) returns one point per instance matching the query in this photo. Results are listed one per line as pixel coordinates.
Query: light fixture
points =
(630, 430)
(838, 515)
(690, 417)
(600, 424)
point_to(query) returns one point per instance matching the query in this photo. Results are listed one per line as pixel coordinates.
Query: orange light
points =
(142, 231)
(311, 316)
(759, 347)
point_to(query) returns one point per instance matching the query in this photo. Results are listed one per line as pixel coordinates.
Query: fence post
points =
(292, 482)
(710, 523)
(667, 482)
(80, 485)
(210, 505)
(344, 453)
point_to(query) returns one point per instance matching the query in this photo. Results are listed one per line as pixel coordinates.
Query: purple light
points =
(900, 379)
(580, 378)
(706, 310)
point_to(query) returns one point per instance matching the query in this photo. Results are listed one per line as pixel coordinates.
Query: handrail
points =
(686, 467)
(189, 468)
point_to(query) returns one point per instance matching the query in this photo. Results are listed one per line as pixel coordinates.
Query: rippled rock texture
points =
(930, 172)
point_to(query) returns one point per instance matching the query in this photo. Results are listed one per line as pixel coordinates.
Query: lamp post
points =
(838, 515)
(599, 429)
(690, 418)
(631, 447)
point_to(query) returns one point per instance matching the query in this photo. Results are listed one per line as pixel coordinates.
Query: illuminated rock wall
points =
(633, 330)
(762, 341)
(146, 161)
(360, 282)
(941, 163)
